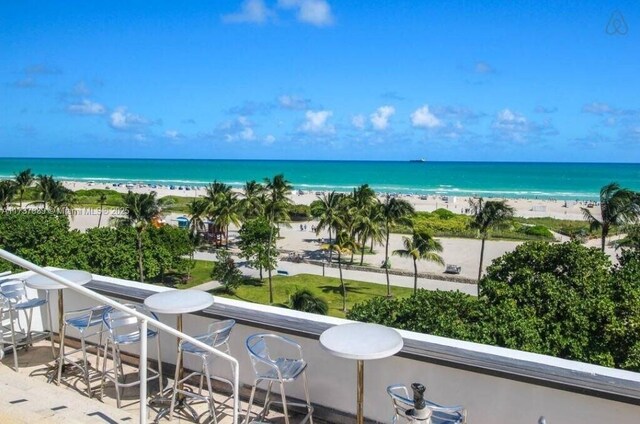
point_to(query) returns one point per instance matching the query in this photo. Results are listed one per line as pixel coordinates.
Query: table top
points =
(44, 283)
(361, 341)
(178, 301)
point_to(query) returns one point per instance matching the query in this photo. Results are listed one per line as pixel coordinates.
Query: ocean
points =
(567, 181)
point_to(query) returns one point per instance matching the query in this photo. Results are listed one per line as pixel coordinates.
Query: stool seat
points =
(281, 370)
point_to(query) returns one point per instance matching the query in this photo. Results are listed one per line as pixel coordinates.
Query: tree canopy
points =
(564, 300)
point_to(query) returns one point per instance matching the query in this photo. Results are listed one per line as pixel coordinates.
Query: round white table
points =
(362, 342)
(40, 282)
(178, 302)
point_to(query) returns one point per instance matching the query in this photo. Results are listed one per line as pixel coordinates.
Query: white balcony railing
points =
(496, 385)
(145, 321)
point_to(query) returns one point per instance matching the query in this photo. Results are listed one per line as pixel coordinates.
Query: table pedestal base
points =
(181, 405)
(360, 394)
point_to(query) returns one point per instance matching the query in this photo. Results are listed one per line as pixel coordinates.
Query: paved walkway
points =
(370, 277)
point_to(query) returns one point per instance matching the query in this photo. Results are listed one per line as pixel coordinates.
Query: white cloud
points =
(240, 128)
(122, 120)
(86, 107)
(380, 118)
(247, 134)
(172, 134)
(251, 11)
(316, 122)
(424, 118)
(314, 12)
(512, 126)
(359, 121)
(293, 102)
(597, 108)
(483, 68)
(269, 139)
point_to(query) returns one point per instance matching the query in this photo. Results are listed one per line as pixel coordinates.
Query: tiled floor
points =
(69, 403)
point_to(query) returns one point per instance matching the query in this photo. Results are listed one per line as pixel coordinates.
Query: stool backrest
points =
(13, 290)
(219, 332)
(120, 323)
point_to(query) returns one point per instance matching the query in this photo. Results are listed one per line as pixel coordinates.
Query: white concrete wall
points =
(488, 399)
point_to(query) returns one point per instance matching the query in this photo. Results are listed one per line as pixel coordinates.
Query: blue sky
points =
(321, 79)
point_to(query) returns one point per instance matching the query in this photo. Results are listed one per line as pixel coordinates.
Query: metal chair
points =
(403, 403)
(15, 299)
(217, 336)
(280, 369)
(82, 320)
(123, 330)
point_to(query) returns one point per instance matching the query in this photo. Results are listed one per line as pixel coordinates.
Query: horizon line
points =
(321, 160)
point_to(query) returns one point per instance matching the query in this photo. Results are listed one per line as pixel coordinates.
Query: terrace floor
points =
(28, 397)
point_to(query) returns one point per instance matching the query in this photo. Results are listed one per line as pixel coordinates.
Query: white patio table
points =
(40, 282)
(178, 302)
(362, 342)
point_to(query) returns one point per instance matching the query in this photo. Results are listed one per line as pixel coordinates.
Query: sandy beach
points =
(462, 252)
(523, 207)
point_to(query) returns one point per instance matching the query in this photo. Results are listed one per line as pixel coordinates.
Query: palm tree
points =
(23, 180)
(488, 215)
(420, 246)
(368, 225)
(227, 212)
(8, 189)
(46, 186)
(252, 203)
(277, 205)
(62, 198)
(304, 300)
(618, 206)
(102, 199)
(395, 211)
(53, 193)
(343, 241)
(328, 212)
(197, 210)
(141, 209)
(216, 194)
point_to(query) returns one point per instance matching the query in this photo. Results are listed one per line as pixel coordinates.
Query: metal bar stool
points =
(15, 299)
(123, 330)
(403, 405)
(217, 336)
(282, 370)
(82, 320)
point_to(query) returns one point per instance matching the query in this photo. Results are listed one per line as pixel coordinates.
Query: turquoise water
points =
(516, 180)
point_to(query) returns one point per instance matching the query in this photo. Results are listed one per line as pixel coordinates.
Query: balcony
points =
(496, 385)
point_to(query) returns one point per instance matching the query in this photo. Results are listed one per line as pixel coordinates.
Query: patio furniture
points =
(177, 302)
(15, 299)
(280, 369)
(217, 336)
(40, 282)
(361, 341)
(82, 320)
(124, 330)
(403, 405)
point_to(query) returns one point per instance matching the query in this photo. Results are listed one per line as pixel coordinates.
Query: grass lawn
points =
(201, 273)
(326, 287)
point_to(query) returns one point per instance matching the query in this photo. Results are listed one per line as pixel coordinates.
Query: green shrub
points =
(559, 299)
(537, 230)
(300, 213)
(306, 301)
